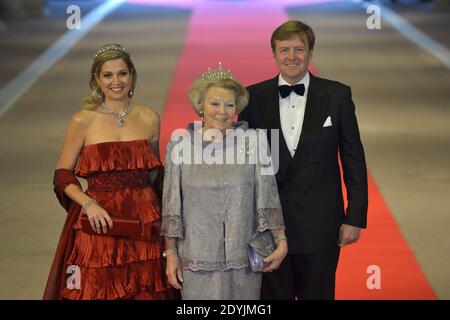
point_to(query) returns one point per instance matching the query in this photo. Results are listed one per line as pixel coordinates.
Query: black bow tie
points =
(286, 90)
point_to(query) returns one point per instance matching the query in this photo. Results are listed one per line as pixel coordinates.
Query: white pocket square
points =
(328, 122)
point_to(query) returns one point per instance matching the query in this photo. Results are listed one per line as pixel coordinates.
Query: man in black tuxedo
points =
(318, 126)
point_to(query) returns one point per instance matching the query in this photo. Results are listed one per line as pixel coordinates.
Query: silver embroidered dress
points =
(215, 209)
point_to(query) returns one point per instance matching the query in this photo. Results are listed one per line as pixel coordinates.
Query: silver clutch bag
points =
(259, 248)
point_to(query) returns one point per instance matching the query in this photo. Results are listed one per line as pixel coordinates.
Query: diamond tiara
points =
(217, 74)
(111, 47)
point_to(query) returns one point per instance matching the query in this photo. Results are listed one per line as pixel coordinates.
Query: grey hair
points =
(199, 88)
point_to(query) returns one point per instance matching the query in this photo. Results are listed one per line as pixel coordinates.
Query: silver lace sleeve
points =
(268, 206)
(172, 222)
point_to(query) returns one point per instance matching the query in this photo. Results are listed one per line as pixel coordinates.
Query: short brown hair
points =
(290, 29)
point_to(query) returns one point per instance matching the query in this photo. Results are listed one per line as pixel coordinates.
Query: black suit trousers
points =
(303, 277)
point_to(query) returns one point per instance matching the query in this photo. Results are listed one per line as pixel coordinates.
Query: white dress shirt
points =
(292, 112)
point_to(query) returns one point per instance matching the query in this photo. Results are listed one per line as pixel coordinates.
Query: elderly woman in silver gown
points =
(214, 204)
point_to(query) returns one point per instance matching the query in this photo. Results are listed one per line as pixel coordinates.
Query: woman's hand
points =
(274, 260)
(174, 271)
(98, 217)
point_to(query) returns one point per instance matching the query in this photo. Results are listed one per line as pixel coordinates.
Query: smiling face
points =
(114, 79)
(292, 57)
(219, 108)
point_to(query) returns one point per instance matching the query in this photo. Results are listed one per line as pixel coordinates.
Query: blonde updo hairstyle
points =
(200, 87)
(106, 53)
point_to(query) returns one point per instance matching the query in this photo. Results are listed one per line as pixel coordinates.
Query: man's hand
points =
(348, 234)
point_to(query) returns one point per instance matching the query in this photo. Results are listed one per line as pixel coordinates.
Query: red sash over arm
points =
(57, 276)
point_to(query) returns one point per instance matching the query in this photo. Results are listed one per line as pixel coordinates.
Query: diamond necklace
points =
(120, 117)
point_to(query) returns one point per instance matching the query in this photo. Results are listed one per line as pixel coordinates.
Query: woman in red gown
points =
(113, 143)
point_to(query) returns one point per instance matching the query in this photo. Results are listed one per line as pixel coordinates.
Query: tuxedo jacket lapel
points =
(272, 116)
(271, 106)
(271, 120)
(316, 112)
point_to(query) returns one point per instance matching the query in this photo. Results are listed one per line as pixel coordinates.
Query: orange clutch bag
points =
(122, 227)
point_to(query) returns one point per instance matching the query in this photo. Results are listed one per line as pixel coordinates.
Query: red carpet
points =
(381, 244)
(238, 35)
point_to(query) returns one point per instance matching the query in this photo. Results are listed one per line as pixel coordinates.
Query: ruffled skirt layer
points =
(111, 268)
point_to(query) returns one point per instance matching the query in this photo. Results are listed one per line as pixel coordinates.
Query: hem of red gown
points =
(139, 281)
(113, 268)
(144, 295)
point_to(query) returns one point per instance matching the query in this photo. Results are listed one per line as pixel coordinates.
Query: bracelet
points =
(279, 237)
(87, 204)
(168, 252)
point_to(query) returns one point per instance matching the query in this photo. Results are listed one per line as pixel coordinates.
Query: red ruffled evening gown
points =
(118, 267)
